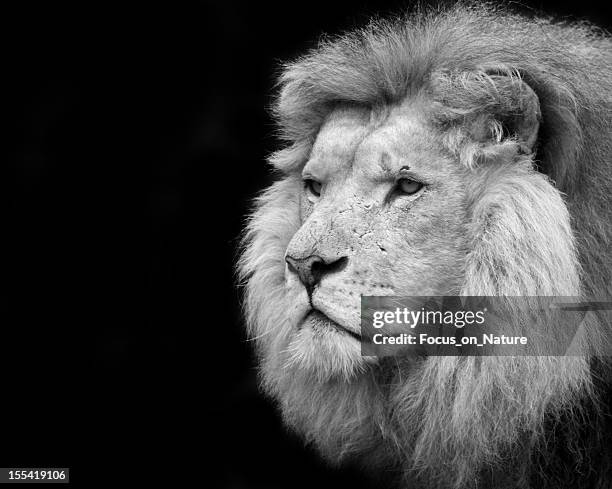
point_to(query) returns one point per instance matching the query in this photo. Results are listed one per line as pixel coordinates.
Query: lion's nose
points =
(312, 269)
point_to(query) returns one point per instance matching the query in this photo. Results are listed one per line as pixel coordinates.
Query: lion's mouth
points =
(319, 319)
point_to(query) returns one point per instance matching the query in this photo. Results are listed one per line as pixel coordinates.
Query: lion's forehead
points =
(336, 143)
(360, 142)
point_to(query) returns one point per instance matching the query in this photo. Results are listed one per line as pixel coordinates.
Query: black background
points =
(136, 134)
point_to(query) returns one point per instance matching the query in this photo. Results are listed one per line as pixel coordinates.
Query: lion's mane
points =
(541, 225)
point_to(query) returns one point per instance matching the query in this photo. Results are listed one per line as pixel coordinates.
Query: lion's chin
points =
(325, 349)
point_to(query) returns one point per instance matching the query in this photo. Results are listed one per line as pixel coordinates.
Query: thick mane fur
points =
(541, 224)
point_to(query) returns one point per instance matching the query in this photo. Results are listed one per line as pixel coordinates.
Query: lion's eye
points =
(313, 187)
(408, 187)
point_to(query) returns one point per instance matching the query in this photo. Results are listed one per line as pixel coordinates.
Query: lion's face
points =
(382, 212)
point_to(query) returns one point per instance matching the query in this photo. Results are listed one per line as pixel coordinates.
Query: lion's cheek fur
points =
(270, 229)
(522, 241)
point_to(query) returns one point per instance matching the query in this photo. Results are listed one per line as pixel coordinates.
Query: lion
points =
(464, 151)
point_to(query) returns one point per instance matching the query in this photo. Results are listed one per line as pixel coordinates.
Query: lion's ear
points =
(515, 107)
(490, 109)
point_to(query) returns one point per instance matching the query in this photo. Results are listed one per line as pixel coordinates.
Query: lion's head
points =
(448, 154)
